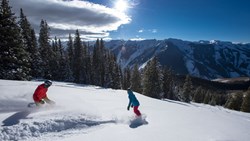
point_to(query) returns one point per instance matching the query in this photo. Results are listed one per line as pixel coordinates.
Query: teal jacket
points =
(132, 99)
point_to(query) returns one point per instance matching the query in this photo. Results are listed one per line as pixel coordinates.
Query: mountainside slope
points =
(209, 60)
(92, 113)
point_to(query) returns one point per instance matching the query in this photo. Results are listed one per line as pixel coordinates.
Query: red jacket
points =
(40, 93)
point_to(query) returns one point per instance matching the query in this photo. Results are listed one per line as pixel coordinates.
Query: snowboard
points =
(33, 105)
(138, 121)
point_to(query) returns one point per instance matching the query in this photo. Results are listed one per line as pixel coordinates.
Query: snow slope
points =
(92, 113)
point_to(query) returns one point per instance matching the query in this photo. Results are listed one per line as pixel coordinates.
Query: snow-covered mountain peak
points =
(205, 59)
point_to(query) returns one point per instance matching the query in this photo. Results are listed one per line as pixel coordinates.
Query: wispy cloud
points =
(141, 30)
(137, 39)
(65, 16)
(147, 30)
(153, 30)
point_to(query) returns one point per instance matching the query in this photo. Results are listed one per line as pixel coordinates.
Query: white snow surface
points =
(91, 113)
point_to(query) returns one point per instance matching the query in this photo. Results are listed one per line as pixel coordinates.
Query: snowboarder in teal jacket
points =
(133, 102)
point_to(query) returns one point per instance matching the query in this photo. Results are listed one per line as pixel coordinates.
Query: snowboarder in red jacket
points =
(40, 96)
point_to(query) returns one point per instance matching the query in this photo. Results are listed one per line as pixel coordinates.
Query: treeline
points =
(24, 57)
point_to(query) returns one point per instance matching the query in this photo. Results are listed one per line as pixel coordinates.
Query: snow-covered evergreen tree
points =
(234, 101)
(78, 59)
(199, 95)
(99, 63)
(187, 89)
(70, 52)
(114, 72)
(126, 78)
(64, 72)
(45, 50)
(14, 59)
(136, 82)
(36, 61)
(207, 97)
(31, 46)
(88, 64)
(245, 107)
(167, 84)
(152, 79)
(55, 60)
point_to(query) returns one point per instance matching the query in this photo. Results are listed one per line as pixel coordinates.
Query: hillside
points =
(238, 83)
(92, 113)
(204, 59)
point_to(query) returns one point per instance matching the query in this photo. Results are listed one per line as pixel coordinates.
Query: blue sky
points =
(193, 20)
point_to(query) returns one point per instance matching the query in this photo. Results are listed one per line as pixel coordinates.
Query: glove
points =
(42, 101)
(128, 108)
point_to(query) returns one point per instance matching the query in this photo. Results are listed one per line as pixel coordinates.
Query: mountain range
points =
(203, 59)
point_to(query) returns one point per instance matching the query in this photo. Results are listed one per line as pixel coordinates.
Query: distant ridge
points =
(205, 59)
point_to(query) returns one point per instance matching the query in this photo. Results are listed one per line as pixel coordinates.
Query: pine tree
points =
(60, 69)
(99, 60)
(88, 65)
(207, 97)
(234, 101)
(67, 72)
(187, 89)
(126, 78)
(245, 107)
(117, 74)
(213, 100)
(102, 62)
(199, 95)
(85, 70)
(223, 98)
(167, 84)
(136, 79)
(114, 73)
(96, 64)
(36, 60)
(70, 52)
(14, 61)
(102, 68)
(26, 32)
(151, 79)
(64, 72)
(54, 62)
(45, 50)
(78, 58)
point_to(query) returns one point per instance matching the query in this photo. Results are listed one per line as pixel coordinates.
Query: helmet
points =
(48, 83)
(129, 89)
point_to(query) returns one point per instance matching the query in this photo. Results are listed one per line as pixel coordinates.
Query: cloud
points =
(65, 16)
(148, 30)
(137, 39)
(134, 3)
(140, 31)
(153, 30)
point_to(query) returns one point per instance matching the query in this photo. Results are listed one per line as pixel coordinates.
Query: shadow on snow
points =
(15, 118)
(137, 122)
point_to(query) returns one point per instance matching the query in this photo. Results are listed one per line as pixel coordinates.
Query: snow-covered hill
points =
(205, 59)
(92, 113)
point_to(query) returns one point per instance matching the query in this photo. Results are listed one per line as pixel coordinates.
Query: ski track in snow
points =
(20, 127)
